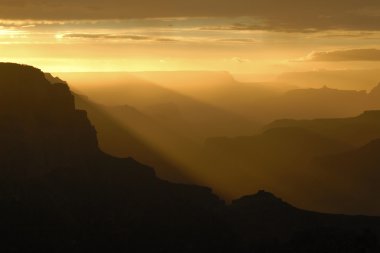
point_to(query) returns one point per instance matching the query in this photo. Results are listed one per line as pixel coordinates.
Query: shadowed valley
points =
(282, 156)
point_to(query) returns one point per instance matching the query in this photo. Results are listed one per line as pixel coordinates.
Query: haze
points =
(199, 90)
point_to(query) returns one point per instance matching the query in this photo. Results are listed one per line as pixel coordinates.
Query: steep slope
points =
(124, 131)
(314, 103)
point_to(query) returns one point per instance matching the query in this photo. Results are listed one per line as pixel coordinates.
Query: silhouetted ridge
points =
(53, 79)
(261, 200)
(300, 136)
(357, 130)
(267, 224)
(40, 127)
(361, 159)
(366, 115)
(325, 91)
(371, 114)
(25, 88)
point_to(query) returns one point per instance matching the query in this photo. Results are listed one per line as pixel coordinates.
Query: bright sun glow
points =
(59, 36)
(6, 32)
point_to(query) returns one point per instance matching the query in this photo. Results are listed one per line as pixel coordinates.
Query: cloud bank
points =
(105, 36)
(286, 15)
(345, 55)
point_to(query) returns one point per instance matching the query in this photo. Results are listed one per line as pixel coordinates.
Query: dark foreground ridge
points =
(60, 193)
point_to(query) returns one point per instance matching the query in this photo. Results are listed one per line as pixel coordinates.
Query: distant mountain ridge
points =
(353, 79)
(259, 103)
(355, 130)
(317, 103)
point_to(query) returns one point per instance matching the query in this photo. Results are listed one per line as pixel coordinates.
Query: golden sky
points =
(242, 36)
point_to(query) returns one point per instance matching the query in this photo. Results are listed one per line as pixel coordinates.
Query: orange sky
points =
(266, 40)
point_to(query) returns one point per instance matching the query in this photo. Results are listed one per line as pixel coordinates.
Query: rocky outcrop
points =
(39, 125)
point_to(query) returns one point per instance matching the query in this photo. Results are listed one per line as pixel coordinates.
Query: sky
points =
(260, 37)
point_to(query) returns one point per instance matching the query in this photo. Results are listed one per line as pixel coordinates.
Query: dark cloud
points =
(116, 37)
(105, 36)
(237, 40)
(349, 35)
(346, 55)
(286, 15)
(166, 40)
(133, 37)
(262, 26)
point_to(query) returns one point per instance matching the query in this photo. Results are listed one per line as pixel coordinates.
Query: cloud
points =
(238, 40)
(265, 26)
(345, 55)
(240, 60)
(134, 37)
(106, 36)
(348, 35)
(284, 15)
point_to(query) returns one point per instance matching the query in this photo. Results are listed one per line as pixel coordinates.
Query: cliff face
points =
(59, 192)
(39, 125)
